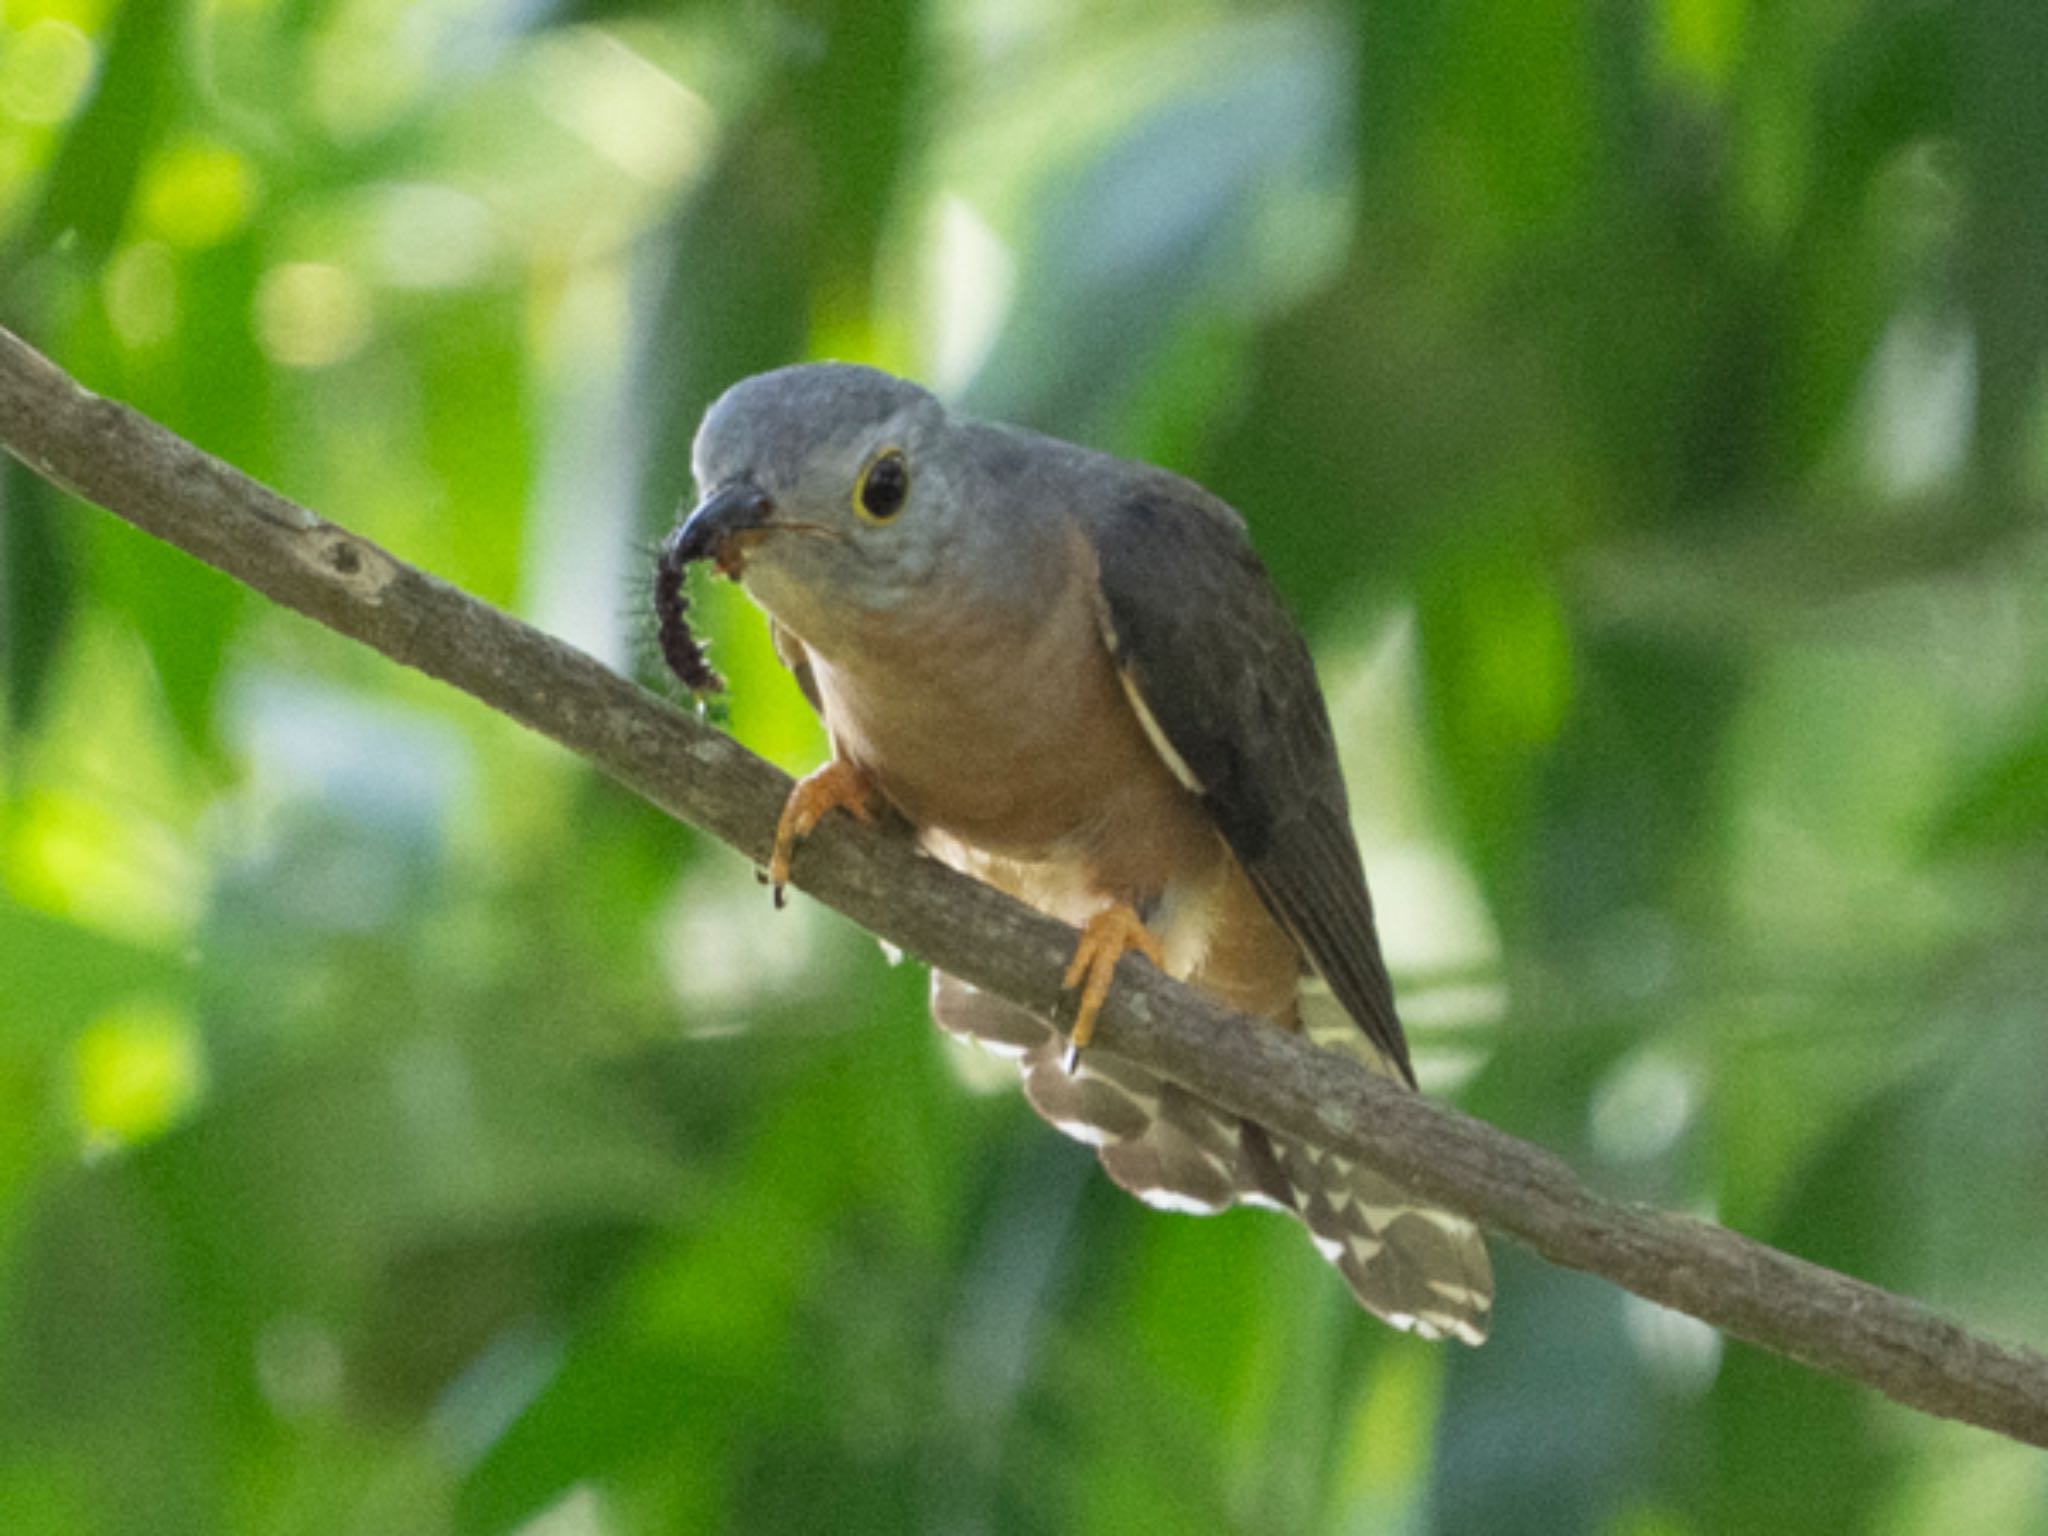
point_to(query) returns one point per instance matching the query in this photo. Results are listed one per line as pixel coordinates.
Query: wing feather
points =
(1210, 652)
(791, 653)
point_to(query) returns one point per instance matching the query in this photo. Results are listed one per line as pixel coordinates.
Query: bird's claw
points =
(838, 786)
(1105, 938)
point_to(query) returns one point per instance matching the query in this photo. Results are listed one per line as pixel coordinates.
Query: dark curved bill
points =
(708, 532)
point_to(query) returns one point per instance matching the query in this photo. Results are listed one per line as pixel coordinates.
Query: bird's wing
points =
(1226, 689)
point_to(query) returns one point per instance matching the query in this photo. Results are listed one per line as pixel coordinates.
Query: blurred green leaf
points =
(40, 591)
(1159, 221)
(2003, 129)
(1501, 685)
(87, 196)
(2003, 807)
(60, 974)
(478, 440)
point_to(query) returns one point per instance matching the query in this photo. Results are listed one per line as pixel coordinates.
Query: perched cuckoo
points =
(1071, 675)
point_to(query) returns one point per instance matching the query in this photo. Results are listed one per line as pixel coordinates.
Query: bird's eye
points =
(884, 487)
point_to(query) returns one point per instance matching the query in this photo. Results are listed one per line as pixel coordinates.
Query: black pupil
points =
(888, 482)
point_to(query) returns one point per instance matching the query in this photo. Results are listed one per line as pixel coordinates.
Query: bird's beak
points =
(716, 529)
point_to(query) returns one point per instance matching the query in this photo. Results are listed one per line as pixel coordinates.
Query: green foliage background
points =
(402, 1130)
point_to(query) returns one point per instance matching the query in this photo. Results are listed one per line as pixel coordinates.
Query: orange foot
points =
(838, 786)
(1104, 940)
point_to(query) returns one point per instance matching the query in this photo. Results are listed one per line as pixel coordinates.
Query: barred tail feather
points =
(1417, 1267)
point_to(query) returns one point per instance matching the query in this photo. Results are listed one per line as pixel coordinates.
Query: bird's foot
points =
(1104, 940)
(838, 786)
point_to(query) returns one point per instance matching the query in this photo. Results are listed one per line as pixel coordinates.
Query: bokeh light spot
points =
(141, 291)
(44, 72)
(431, 236)
(198, 193)
(139, 1070)
(311, 314)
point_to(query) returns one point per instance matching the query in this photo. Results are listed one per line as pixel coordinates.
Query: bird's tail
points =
(1417, 1267)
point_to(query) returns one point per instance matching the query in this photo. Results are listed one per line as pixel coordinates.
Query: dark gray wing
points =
(1212, 652)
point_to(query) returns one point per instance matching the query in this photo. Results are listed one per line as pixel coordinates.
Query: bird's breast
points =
(1012, 734)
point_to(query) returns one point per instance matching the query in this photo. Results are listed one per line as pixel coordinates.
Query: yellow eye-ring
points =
(884, 487)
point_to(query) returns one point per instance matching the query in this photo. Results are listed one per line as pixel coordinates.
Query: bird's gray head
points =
(824, 483)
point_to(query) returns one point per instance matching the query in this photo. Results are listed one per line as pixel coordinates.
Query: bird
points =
(1071, 675)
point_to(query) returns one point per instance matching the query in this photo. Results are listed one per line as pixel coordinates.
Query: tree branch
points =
(141, 472)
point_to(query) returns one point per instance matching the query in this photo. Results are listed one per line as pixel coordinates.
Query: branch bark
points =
(108, 454)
